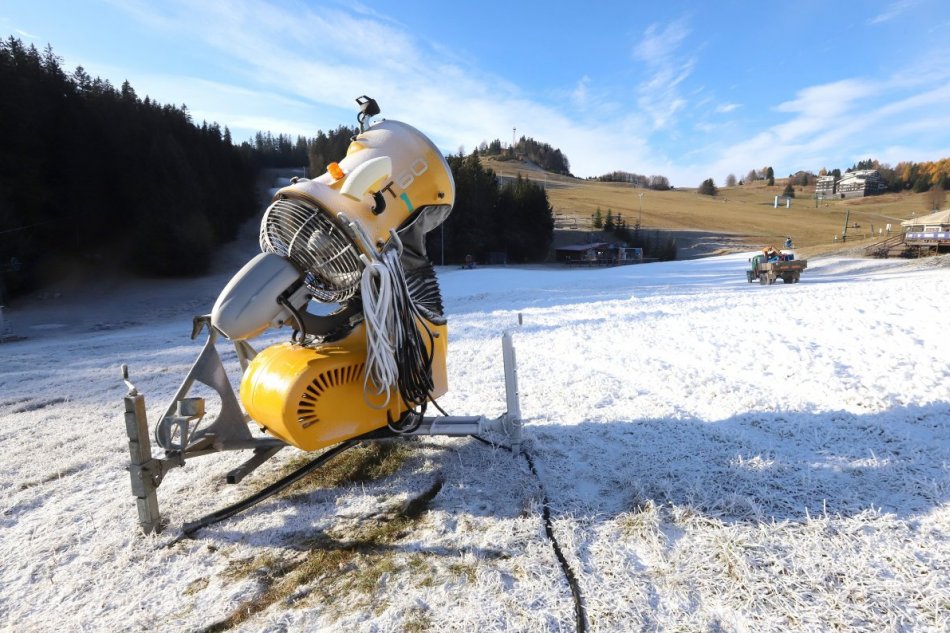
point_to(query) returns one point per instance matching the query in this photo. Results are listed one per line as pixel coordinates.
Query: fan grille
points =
(308, 411)
(307, 235)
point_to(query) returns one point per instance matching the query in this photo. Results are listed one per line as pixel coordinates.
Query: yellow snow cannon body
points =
(313, 397)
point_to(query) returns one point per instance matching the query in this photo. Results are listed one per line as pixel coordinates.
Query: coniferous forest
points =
(515, 219)
(96, 178)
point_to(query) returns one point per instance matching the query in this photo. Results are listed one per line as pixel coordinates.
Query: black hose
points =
(580, 616)
(193, 526)
(301, 326)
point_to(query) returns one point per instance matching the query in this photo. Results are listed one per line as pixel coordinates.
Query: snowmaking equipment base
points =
(185, 432)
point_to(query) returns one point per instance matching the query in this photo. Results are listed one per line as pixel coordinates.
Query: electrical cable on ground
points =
(191, 527)
(580, 616)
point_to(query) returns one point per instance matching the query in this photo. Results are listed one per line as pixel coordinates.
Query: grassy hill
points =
(745, 211)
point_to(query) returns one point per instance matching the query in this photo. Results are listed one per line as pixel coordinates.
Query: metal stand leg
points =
(512, 397)
(141, 469)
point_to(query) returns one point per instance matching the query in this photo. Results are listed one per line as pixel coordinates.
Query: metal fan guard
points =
(308, 236)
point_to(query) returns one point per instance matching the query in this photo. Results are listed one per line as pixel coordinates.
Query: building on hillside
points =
(857, 184)
(928, 233)
(598, 254)
(801, 177)
(825, 186)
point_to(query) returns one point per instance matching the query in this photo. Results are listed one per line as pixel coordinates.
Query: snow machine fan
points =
(366, 366)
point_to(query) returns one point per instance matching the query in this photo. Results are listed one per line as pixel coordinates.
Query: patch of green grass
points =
(333, 572)
(466, 570)
(60, 474)
(643, 522)
(363, 463)
(196, 585)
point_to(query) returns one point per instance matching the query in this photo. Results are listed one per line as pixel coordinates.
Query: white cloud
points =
(658, 46)
(833, 120)
(894, 10)
(580, 93)
(327, 58)
(659, 95)
(302, 68)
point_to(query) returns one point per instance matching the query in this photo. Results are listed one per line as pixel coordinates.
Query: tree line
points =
(92, 176)
(542, 154)
(514, 219)
(654, 245)
(907, 175)
(904, 176)
(658, 183)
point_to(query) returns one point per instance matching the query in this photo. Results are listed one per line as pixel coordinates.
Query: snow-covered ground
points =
(718, 456)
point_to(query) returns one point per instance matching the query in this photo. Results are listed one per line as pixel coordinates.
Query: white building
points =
(857, 184)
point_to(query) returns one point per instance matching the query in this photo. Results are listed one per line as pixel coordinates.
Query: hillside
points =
(745, 211)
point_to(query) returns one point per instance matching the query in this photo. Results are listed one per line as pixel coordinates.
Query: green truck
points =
(767, 267)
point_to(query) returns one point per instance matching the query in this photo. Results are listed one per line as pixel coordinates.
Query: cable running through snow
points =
(580, 616)
(191, 527)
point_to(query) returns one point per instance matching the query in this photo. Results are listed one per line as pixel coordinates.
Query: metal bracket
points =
(228, 431)
(509, 425)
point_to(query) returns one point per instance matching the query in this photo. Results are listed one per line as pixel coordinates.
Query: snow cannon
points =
(353, 237)
(365, 365)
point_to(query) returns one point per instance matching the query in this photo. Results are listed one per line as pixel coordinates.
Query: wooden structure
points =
(598, 254)
(928, 234)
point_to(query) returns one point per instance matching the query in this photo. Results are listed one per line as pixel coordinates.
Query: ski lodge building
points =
(857, 184)
(853, 184)
(825, 186)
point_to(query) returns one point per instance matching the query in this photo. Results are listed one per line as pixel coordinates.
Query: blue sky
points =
(689, 90)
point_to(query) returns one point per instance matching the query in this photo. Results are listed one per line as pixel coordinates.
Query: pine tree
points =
(708, 188)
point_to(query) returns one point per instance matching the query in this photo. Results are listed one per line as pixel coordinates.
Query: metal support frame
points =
(179, 432)
(509, 425)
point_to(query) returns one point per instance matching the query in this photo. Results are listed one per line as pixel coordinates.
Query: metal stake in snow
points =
(142, 465)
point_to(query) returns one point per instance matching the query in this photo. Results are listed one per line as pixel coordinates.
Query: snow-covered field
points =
(718, 456)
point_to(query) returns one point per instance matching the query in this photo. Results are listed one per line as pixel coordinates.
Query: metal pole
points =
(513, 415)
(142, 467)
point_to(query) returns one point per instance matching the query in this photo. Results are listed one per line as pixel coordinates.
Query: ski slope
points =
(718, 456)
